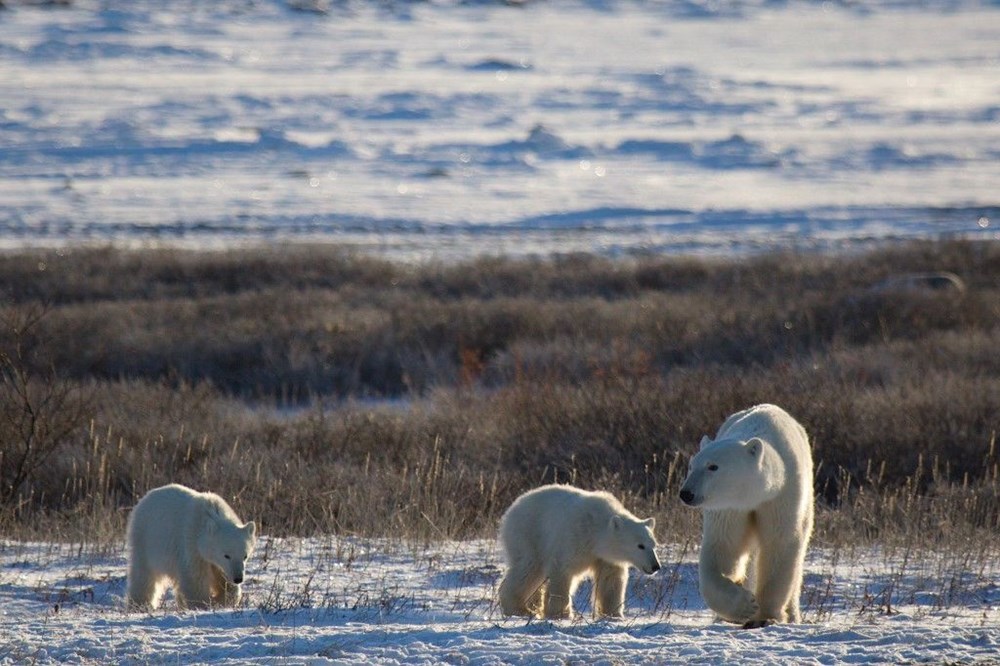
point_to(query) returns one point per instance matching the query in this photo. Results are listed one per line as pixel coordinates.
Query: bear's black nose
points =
(687, 496)
(237, 579)
(656, 567)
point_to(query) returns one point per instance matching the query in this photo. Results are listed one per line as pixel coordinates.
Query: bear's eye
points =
(713, 467)
(226, 556)
(642, 546)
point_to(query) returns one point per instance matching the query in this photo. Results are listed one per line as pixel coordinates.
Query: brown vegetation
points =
(321, 391)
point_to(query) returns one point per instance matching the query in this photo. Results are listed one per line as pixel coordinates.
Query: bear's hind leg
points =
(521, 590)
(142, 587)
(779, 581)
(794, 607)
(610, 581)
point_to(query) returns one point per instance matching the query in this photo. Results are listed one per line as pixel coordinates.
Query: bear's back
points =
(557, 512)
(173, 497)
(776, 427)
(164, 516)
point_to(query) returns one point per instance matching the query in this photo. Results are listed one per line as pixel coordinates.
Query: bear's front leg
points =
(610, 581)
(194, 588)
(722, 566)
(730, 601)
(224, 591)
(231, 594)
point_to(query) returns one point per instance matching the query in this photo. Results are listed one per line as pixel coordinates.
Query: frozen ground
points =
(329, 601)
(446, 128)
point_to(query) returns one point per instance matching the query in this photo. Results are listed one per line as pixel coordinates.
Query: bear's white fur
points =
(556, 535)
(754, 484)
(190, 539)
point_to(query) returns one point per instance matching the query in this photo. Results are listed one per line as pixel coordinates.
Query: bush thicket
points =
(322, 391)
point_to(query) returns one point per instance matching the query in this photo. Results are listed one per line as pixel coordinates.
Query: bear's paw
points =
(746, 607)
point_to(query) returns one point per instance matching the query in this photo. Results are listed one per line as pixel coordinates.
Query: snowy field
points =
(344, 601)
(444, 128)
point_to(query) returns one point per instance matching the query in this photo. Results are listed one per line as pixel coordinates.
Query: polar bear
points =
(754, 484)
(192, 539)
(556, 535)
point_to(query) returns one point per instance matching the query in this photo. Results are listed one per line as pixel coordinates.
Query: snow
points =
(442, 129)
(333, 600)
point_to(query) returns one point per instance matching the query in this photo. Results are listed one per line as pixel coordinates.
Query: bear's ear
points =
(616, 523)
(755, 446)
(251, 529)
(650, 523)
(705, 441)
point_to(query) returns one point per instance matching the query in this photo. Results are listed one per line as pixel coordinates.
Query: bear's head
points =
(227, 545)
(733, 474)
(627, 540)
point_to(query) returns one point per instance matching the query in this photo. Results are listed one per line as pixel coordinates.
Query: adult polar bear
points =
(754, 484)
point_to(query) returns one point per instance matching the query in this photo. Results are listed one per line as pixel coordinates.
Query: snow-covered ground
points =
(349, 601)
(446, 128)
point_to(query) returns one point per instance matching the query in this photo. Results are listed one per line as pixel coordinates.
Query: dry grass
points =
(251, 373)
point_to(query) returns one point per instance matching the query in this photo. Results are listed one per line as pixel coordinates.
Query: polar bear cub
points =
(556, 535)
(190, 539)
(754, 484)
